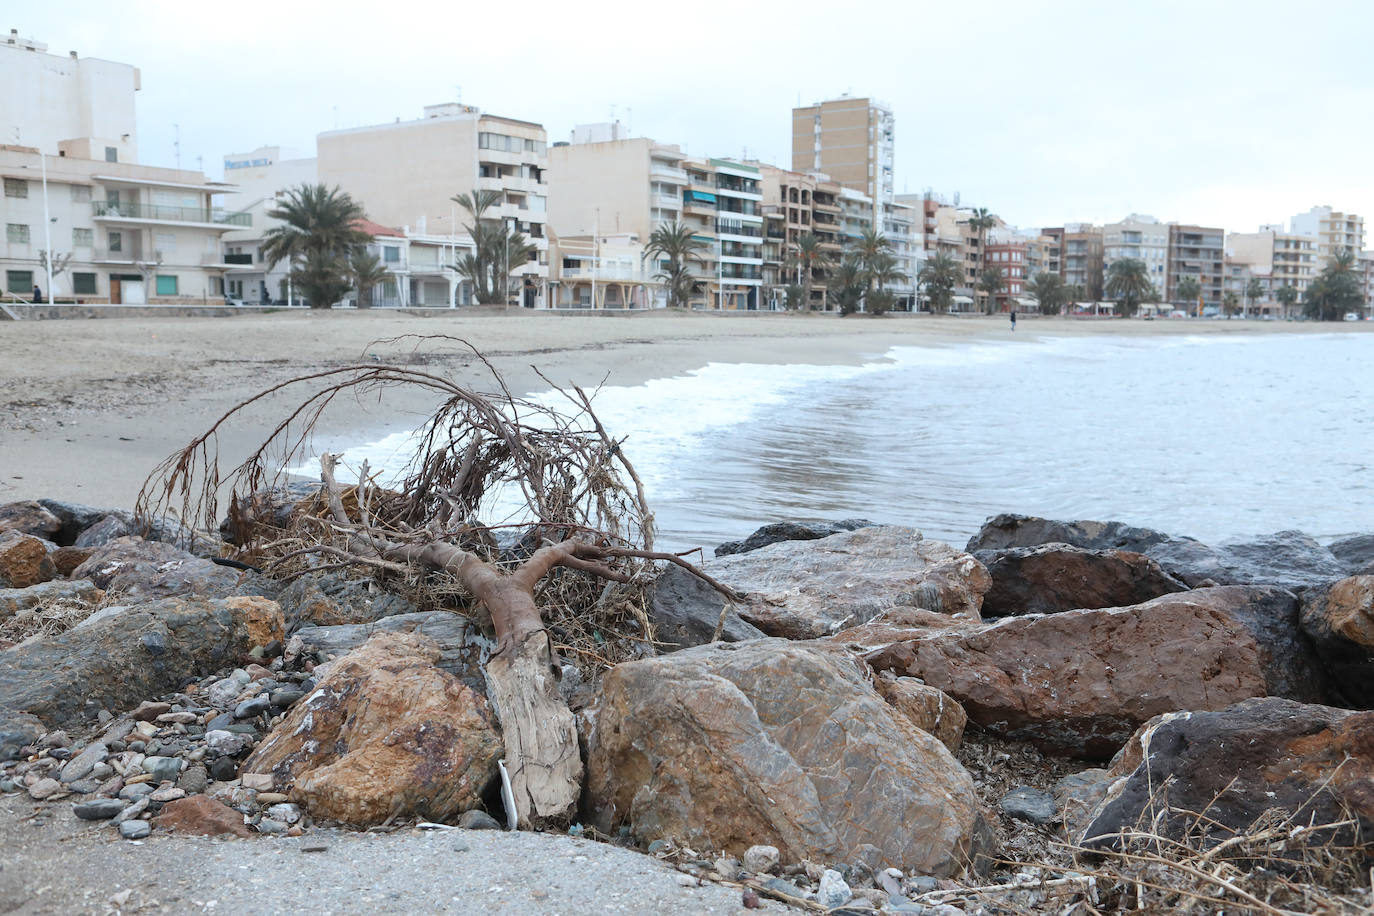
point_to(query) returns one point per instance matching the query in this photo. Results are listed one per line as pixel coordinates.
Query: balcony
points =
(238, 260)
(667, 172)
(125, 211)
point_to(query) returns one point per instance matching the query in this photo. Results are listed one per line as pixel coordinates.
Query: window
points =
(17, 233)
(391, 254)
(111, 154)
(81, 193)
(16, 187)
(83, 238)
(19, 281)
(116, 241)
(166, 285)
(83, 284)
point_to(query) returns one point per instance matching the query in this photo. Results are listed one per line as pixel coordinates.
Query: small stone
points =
(834, 891)
(144, 730)
(286, 813)
(220, 722)
(223, 769)
(130, 812)
(60, 753)
(1029, 804)
(84, 786)
(271, 798)
(295, 830)
(136, 791)
(148, 710)
(226, 744)
(138, 778)
(80, 766)
(98, 809)
(284, 697)
(134, 830)
(760, 859)
(478, 820)
(259, 782)
(269, 826)
(55, 739)
(166, 794)
(121, 898)
(779, 886)
(251, 707)
(8, 785)
(177, 718)
(46, 787)
(314, 846)
(688, 880)
(102, 770)
(193, 780)
(749, 899)
(162, 769)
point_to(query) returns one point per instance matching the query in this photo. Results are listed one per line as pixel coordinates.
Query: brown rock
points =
(1058, 577)
(1339, 620)
(1080, 682)
(24, 560)
(929, 709)
(810, 589)
(385, 733)
(31, 518)
(201, 815)
(67, 559)
(135, 569)
(148, 710)
(1315, 763)
(768, 742)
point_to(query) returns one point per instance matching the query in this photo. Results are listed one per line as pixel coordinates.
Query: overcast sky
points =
(1229, 114)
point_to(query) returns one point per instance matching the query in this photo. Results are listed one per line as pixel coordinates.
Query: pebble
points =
(59, 753)
(8, 785)
(162, 769)
(136, 791)
(220, 722)
(80, 766)
(138, 778)
(84, 786)
(134, 830)
(260, 782)
(45, 788)
(55, 739)
(1029, 804)
(102, 770)
(223, 769)
(314, 846)
(780, 886)
(271, 798)
(688, 880)
(251, 707)
(149, 710)
(226, 744)
(760, 859)
(478, 820)
(132, 811)
(269, 826)
(164, 795)
(193, 780)
(834, 891)
(283, 697)
(286, 813)
(177, 718)
(98, 809)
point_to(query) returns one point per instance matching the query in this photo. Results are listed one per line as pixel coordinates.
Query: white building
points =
(263, 177)
(1333, 231)
(1138, 237)
(604, 271)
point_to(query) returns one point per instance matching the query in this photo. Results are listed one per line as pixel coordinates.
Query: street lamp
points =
(47, 222)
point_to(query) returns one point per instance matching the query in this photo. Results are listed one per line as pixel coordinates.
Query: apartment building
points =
(262, 177)
(1042, 255)
(1141, 238)
(1081, 260)
(1008, 254)
(601, 271)
(723, 203)
(852, 140)
(1197, 252)
(83, 104)
(608, 185)
(797, 203)
(899, 226)
(406, 173)
(115, 232)
(1334, 231)
(1275, 258)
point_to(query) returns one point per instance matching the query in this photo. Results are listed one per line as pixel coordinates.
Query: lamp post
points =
(47, 224)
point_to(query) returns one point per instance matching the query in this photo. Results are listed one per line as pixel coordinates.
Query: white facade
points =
(262, 176)
(1140, 238)
(83, 107)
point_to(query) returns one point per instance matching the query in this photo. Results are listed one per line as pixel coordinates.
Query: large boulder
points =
(463, 650)
(136, 570)
(76, 518)
(1080, 682)
(385, 734)
(1216, 772)
(809, 589)
(1339, 620)
(685, 611)
(1007, 531)
(31, 518)
(123, 655)
(770, 742)
(1354, 553)
(1289, 559)
(105, 531)
(928, 708)
(24, 560)
(1060, 577)
(791, 530)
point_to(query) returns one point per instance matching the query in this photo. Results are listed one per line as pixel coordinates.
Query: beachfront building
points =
(83, 105)
(1277, 259)
(1197, 252)
(1141, 238)
(852, 141)
(899, 227)
(1333, 230)
(1081, 260)
(723, 203)
(1006, 252)
(797, 203)
(406, 173)
(602, 271)
(115, 232)
(262, 177)
(1042, 254)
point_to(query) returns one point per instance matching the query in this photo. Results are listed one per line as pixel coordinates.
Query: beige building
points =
(1277, 259)
(1140, 238)
(849, 139)
(405, 174)
(1197, 252)
(119, 232)
(614, 186)
(1333, 231)
(1081, 260)
(82, 104)
(601, 271)
(723, 203)
(797, 203)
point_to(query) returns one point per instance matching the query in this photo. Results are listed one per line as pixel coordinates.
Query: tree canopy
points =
(1049, 292)
(1128, 282)
(939, 278)
(675, 245)
(1335, 291)
(317, 238)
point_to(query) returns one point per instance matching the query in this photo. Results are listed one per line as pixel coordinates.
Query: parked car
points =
(1351, 316)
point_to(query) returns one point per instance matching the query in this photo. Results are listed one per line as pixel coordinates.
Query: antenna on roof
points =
(176, 143)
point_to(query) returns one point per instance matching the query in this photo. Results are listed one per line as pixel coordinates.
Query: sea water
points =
(1199, 435)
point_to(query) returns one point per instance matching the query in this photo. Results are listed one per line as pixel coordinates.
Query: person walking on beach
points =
(1013, 319)
(37, 294)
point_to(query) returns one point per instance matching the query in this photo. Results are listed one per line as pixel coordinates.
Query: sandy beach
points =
(91, 406)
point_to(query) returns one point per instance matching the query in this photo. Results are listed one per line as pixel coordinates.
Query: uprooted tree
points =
(486, 468)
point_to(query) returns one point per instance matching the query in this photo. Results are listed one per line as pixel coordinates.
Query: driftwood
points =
(559, 479)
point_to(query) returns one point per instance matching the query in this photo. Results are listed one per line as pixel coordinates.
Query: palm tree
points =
(1187, 292)
(319, 230)
(882, 269)
(1335, 291)
(980, 222)
(674, 244)
(1049, 291)
(1286, 295)
(808, 257)
(1230, 303)
(366, 270)
(847, 284)
(489, 238)
(1253, 290)
(1128, 281)
(939, 277)
(990, 282)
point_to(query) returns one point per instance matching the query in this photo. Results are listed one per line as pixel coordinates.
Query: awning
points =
(963, 300)
(1028, 303)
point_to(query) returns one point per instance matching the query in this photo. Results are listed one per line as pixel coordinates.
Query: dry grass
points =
(46, 619)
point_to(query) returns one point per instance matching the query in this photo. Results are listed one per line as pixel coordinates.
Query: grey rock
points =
(162, 769)
(219, 722)
(98, 809)
(1289, 559)
(1354, 553)
(1003, 532)
(223, 769)
(684, 612)
(760, 860)
(137, 791)
(252, 706)
(102, 771)
(1029, 804)
(14, 600)
(782, 886)
(271, 826)
(8, 785)
(193, 780)
(285, 812)
(478, 820)
(136, 569)
(133, 809)
(462, 650)
(791, 530)
(227, 744)
(85, 786)
(834, 891)
(285, 697)
(105, 531)
(134, 830)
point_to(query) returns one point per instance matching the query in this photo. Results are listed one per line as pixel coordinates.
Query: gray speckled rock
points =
(134, 830)
(1029, 805)
(98, 809)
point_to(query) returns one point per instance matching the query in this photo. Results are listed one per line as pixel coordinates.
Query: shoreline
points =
(91, 406)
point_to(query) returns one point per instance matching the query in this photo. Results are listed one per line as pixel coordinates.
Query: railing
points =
(127, 210)
(238, 259)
